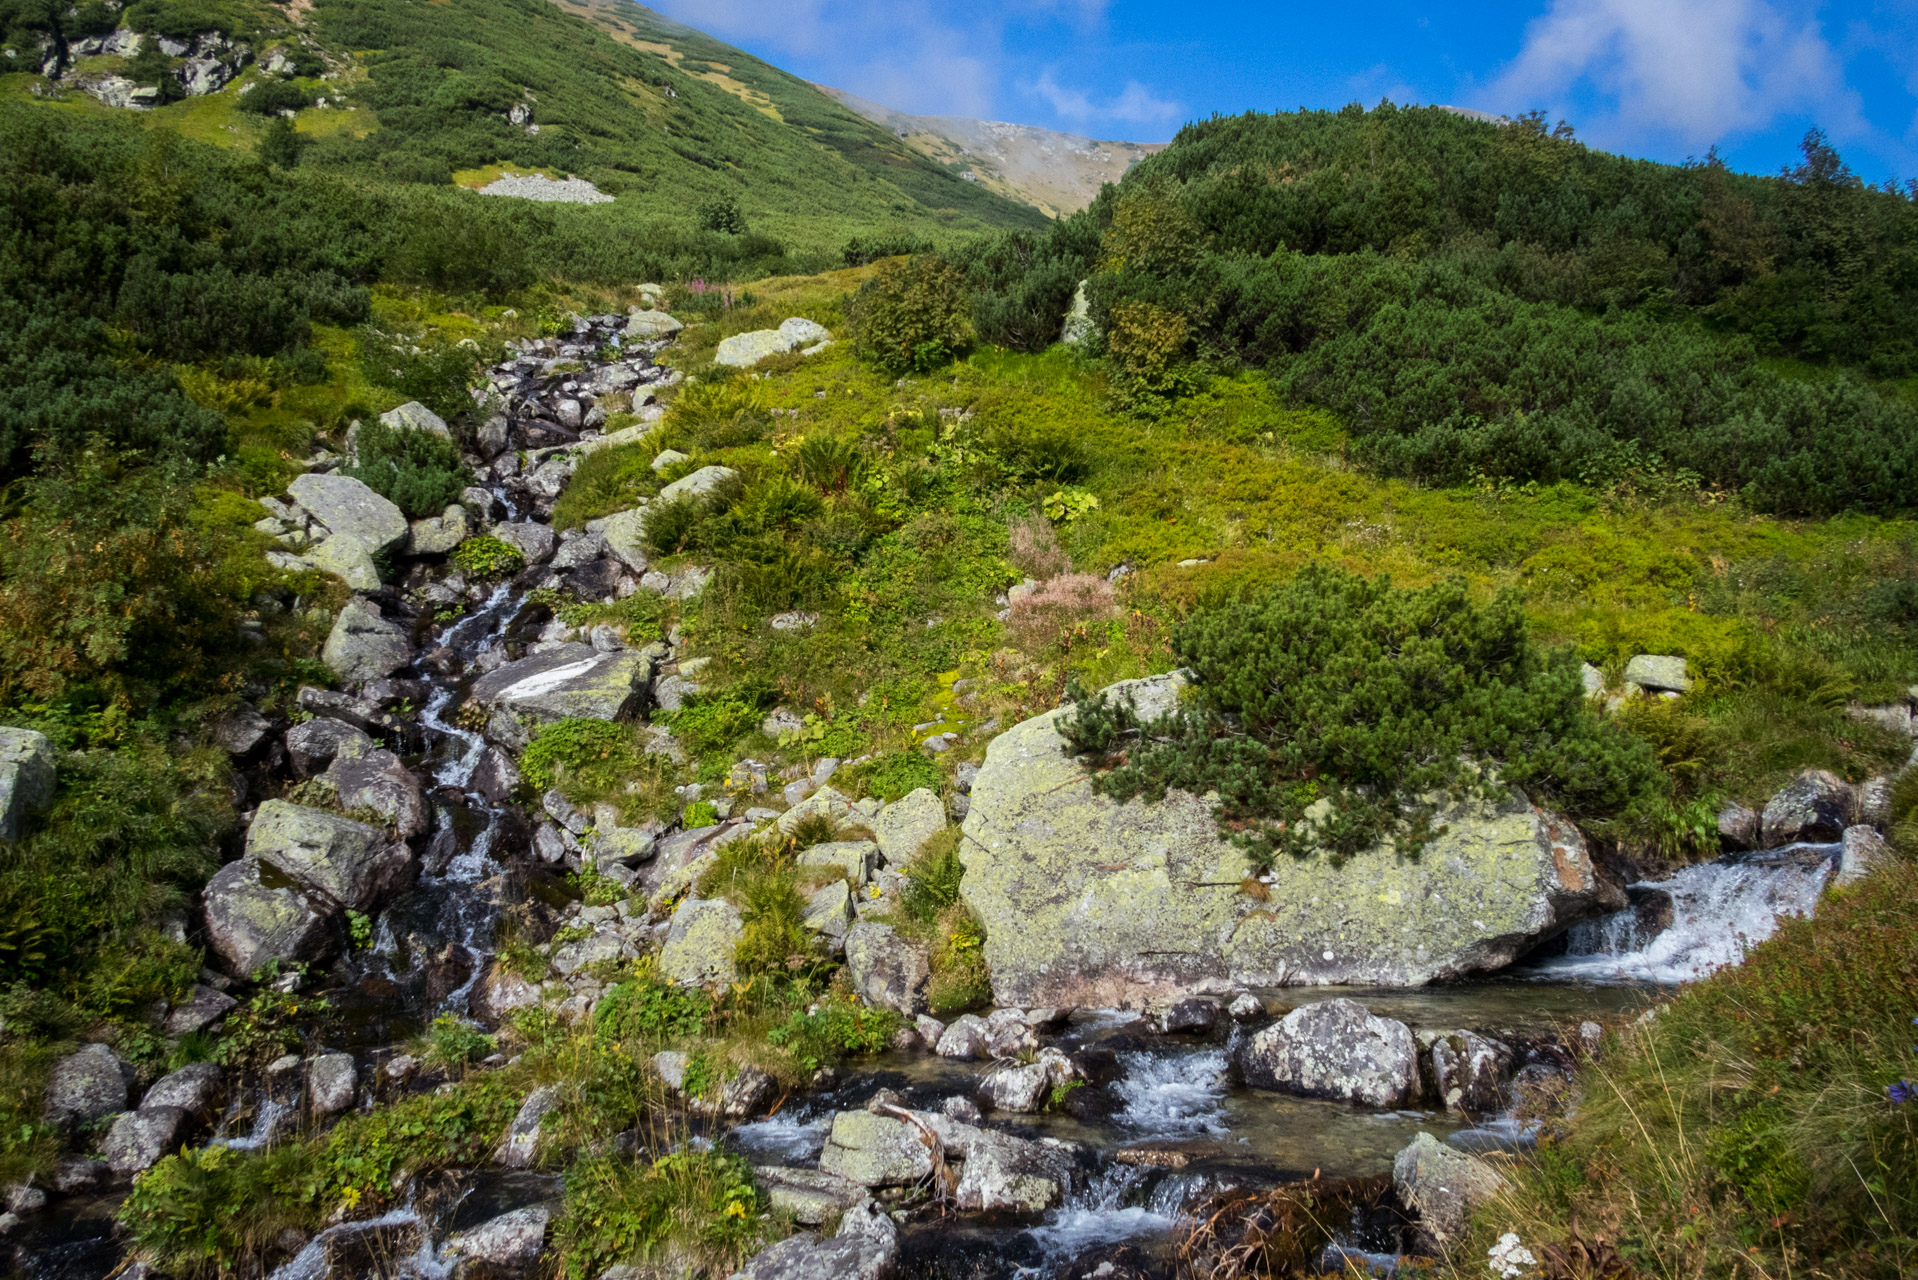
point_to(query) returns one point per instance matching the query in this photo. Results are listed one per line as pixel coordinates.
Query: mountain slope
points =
(1058, 173)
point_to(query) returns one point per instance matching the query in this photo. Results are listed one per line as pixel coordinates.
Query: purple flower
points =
(1904, 1091)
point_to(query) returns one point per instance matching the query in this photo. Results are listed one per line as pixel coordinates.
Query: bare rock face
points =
(1815, 807)
(1093, 903)
(1335, 1049)
(887, 970)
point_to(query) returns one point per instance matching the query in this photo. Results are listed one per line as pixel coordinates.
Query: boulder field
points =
(1094, 903)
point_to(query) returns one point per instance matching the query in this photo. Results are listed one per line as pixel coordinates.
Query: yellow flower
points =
(735, 1210)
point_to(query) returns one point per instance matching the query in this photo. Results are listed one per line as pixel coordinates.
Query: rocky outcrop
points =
(138, 1139)
(568, 681)
(905, 826)
(359, 523)
(700, 942)
(1017, 1175)
(866, 1247)
(1815, 807)
(87, 1085)
(373, 779)
(1335, 1049)
(249, 922)
(349, 863)
(1089, 902)
(26, 779)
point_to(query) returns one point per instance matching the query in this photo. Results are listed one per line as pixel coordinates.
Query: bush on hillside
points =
(271, 97)
(417, 471)
(911, 316)
(1334, 712)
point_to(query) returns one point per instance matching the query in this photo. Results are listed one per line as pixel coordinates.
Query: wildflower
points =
(1902, 1092)
(735, 1210)
(1508, 1258)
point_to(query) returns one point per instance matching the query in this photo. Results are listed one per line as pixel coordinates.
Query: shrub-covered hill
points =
(1504, 301)
(671, 122)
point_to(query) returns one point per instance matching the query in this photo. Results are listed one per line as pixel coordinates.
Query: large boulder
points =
(905, 826)
(886, 970)
(26, 778)
(697, 485)
(414, 416)
(1335, 1049)
(363, 646)
(625, 535)
(1442, 1184)
(439, 535)
(1470, 1070)
(138, 1139)
(350, 511)
(86, 1086)
(1018, 1175)
(1815, 807)
(866, 1247)
(313, 744)
(249, 921)
(502, 1248)
(700, 943)
(875, 1150)
(373, 778)
(194, 1089)
(1094, 903)
(348, 862)
(743, 350)
(1658, 673)
(568, 681)
(810, 1196)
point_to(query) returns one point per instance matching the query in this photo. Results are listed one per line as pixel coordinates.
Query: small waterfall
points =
(267, 1124)
(1718, 911)
(312, 1263)
(1123, 1202)
(1171, 1094)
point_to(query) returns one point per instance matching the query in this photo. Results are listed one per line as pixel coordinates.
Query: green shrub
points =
(434, 373)
(608, 480)
(1333, 713)
(899, 773)
(932, 878)
(711, 723)
(485, 557)
(646, 1011)
(700, 813)
(209, 1210)
(417, 471)
(839, 1029)
(453, 1042)
(911, 317)
(672, 526)
(270, 97)
(585, 753)
(699, 1206)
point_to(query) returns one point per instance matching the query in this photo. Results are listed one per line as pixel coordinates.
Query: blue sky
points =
(1660, 78)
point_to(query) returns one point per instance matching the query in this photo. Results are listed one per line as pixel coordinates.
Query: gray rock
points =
(1864, 852)
(592, 949)
(520, 1145)
(203, 1007)
(829, 909)
(1442, 1184)
(414, 416)
(1814, 807)
(930, 1029)
(1016, 1089)
(240, 732)
(697, 485)
(671, 1066)
(1190, 1015)
(313, 744)
(332, 1082)
(625, 536)
(671, 693)
(1895, 716)
(886, 970)
(87, 1085)
(1737, 827)
(651, 324)
(747, 1093)
(966, 1038)
(1246, 1006)
(743, 350)
(74, 1174)
(1009, 1034)
(348, 862)
(1016, 1175)
(575, 552)
(1657, 673)
(194, 1089)
(793, 620)
(26, 779)
(827, 802)
(375, 779)
(1093, 903)
(1592, 679)
(250, 922)
(568, 681)
(350, 511)
(1335, 1049)
(495, 777)
(857, 858)
(810, 1196)
(502, 1248)
(700, 943)
(138, 1139)
(1874, 802)
(535, 541)
(866, 1248)
(908, 824)
(1470, 1071)
(439, 535)
(875, 1151)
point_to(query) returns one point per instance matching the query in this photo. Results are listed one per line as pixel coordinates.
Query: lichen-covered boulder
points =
(249, 922)
(373, 778)
(414, 416)
(1335, 1049)
(1470, 1070)
(520, 1144)
(1442, 1184)
(26, 778)
(887, 970)
(874, 1150)
(363, 646)
(569, 681)
(1815, 807)
(829, 909)
(438, 535)
(502, 1248)
(1658, 673)
(698, 484)
(1018, 1175)
(855, 857)
(138, 1139)
(743, 350)
(625, 535)
(905, 826)
(87, 1085)
(1094, 903)
(866, 1247)
(351, 863)
(350, 511)
(700, 943)
(810, 1196)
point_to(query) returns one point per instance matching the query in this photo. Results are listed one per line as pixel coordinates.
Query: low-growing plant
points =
(485, 557)
(646, 1010)
(452, 1042)
(838, 1028)
(697, 1207)
(700, 813)
(898, 773)
(1334, 713)
(579, 753)
(419, 472)
(960, 979)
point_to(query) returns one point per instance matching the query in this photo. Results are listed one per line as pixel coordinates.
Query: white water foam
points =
(1100, 1214)
(267, 1123)
(1172, 1094)
(1719, 911)
(782, 1138)
(311, 1262)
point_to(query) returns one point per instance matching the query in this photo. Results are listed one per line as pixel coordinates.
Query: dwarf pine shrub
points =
(1335, 712)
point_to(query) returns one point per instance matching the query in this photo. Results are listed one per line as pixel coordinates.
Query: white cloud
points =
(1691, 71)
(1135, 104)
